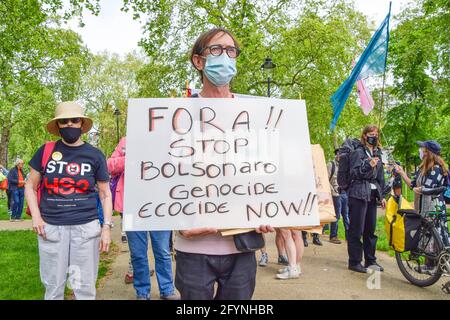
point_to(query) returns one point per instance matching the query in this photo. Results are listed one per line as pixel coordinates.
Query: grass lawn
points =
(4, 210)
(19, 265)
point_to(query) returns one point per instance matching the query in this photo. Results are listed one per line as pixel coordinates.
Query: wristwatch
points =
(108, 223)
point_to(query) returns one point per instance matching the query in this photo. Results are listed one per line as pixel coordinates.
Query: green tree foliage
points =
(312, 42)
(419, 60)
(315, 56)
(108, 84)
(40, 63)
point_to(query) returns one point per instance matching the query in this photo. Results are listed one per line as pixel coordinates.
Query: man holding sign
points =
(204, 165)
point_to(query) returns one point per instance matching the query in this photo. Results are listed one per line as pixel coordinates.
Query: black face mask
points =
(70, 135)
(372, 141)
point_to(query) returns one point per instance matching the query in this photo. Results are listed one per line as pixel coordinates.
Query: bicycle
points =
(425, 264)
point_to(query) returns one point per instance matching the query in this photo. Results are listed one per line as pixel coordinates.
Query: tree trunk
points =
(4, 142)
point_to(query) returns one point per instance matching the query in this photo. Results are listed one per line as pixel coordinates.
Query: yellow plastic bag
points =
(401, 230)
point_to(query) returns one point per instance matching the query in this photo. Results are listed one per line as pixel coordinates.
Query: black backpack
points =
(345, 152)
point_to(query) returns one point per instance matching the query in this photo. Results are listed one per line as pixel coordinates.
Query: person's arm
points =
(106, 199)
(31, 188)
(196, 232)
(116, 163)
(403, 174)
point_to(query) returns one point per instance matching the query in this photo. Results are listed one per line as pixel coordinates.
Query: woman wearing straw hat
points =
(66, 218)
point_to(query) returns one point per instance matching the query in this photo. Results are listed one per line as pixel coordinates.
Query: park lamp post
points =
(117, 114)
(267, 67)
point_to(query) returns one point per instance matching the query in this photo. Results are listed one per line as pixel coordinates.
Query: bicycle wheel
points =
(421, 266)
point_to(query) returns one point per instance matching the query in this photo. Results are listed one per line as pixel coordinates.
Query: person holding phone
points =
(365, 191)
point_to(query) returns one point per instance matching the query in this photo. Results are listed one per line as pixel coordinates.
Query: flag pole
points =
(384, 73)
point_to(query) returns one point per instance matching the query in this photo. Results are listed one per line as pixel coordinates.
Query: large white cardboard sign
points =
(221, 163)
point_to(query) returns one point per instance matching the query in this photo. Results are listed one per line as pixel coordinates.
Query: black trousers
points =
(363, 221)
(196, 275)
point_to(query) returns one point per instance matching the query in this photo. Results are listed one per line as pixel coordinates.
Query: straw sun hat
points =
(67, 110)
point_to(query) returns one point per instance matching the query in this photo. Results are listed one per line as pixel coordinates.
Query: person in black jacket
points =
(365, 190)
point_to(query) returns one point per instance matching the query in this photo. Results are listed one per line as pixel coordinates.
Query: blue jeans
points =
(138, 244)
(17, 207)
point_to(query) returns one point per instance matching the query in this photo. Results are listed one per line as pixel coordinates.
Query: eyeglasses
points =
(217, 50)
(66, 121)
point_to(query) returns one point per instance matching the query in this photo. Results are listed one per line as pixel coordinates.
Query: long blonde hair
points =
(431, 159)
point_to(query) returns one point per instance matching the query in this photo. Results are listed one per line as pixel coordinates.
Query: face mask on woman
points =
(421, 155)
(372, 141)
(70, 135)
(220, 69)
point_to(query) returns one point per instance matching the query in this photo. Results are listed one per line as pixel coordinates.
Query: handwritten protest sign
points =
(222, 163)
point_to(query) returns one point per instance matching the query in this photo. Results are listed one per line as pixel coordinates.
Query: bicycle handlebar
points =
(433, 191)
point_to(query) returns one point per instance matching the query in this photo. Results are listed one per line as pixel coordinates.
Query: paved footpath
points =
(6, 225)
(325, 276)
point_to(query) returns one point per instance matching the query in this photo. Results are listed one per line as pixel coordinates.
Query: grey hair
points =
(18, 161)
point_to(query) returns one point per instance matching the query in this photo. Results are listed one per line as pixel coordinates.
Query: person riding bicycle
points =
(432, 173)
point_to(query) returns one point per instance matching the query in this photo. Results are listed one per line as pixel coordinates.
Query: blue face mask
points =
(220, 69)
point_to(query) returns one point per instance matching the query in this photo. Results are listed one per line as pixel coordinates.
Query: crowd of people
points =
(69, 182)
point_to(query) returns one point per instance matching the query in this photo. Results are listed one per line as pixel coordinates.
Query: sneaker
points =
(283, 270)
(283, 260)
(172, 296)
(128, 278)
(374, 266)
(316, 240)
(264, 260)
(335, 240)
(358, 268)
(290, 273)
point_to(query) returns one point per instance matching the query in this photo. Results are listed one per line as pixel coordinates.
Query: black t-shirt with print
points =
(68, 194)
